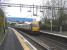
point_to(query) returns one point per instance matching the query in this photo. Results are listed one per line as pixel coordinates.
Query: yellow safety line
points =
(21, 40)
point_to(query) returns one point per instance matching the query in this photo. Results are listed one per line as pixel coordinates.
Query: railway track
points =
(47, 42)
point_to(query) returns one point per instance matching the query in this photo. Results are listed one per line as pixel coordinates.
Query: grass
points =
(2, 35)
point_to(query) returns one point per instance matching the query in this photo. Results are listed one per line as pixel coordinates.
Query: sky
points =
(15, 11)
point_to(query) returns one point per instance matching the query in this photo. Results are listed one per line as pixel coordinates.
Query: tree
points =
(62, 18)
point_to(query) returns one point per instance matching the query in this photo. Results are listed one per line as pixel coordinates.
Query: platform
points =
(15, 41)
(60, 34)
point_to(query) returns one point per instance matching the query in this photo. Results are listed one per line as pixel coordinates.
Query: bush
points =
(64, 27)
(48, 27)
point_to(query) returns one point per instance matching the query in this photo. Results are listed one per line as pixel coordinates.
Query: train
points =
(32, 28)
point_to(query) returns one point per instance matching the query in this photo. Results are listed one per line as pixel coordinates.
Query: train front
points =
(35, 26)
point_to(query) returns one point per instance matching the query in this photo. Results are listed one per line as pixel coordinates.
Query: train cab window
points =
(35, 25)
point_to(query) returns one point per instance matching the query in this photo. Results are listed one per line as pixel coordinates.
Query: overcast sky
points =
(15, 11)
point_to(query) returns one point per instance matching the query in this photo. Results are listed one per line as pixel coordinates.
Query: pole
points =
(43, 9)
(33, 9)
(51, 24)
(20, 8)
(36, 11)
(51, 17)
